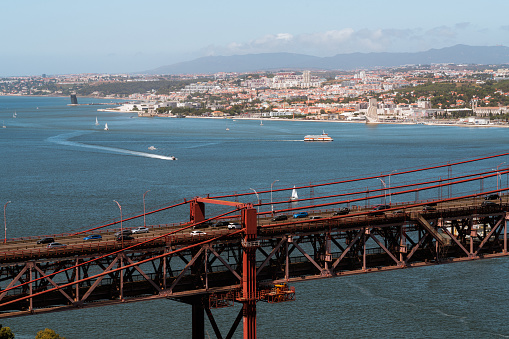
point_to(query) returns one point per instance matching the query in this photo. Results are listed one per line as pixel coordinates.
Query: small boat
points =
(261, 123)
(106, 127)
(96, 122)
(323, 137)
(173, 158)
(227, 129)
(152, 148)
(294, 196)
(3, 125)
(14, 115)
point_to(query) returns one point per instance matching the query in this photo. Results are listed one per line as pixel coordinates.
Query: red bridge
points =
(460, 216)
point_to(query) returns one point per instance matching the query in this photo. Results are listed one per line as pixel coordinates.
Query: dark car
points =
(487, 203)
(123, 232)
(124, 237)
(343, 211)
(47, 240)
(221, 223)
(280, 217)
(493, 196)
(379, 209)
(429, 208)
(202, 225)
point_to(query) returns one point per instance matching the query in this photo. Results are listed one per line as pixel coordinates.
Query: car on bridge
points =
(379, 209)
(234, 226)
(124, 237)
(197, 232)
(429, 208)
(123, 232)
(488, 203)
(47, 240)
(493, 196)
(56, 245)
(205, 224)
(93, 237)
(221, 223)
(300, 215)
(342, 211)
(280, 217)
(140, 230)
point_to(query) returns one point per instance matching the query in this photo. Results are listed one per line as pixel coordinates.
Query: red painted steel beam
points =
(369, 177)
(394, 193)
(249, 273)
(220, 202)
(483, 175)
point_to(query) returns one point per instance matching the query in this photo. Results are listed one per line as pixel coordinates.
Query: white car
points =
(234, 225)
(140, 230)
(196, 232)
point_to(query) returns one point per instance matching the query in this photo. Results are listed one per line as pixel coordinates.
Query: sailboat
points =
(294, 196)
(14, 115)
(3, 125)
(106, 127)
(261, 123)
(96, 122)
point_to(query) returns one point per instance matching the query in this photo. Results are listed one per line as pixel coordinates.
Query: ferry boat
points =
(323, 137)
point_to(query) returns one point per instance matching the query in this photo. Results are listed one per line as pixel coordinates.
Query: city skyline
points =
(58, 37)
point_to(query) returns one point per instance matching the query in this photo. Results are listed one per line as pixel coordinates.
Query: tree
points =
(48, 334)
(6, 333)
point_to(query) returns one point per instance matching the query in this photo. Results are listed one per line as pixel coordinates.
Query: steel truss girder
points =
(330, 252)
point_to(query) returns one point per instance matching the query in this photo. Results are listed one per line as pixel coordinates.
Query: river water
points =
(61, 173)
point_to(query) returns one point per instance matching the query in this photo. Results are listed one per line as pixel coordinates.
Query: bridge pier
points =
(198, 319)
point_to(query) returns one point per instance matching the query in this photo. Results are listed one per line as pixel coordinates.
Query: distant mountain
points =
(459, 54)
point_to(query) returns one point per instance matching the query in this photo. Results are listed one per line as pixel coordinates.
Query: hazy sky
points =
(115, 36)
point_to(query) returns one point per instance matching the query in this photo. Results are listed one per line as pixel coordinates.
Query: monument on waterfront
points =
(74, 99)
(372, 114)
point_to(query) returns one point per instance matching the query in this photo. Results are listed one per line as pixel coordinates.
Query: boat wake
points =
(63, 139)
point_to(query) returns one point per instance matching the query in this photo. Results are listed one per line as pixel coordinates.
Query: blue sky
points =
(111, 36)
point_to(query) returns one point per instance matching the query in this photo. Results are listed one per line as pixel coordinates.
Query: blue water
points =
(62, 173)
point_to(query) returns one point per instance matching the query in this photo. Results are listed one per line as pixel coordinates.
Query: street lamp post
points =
(385, 190)
(498, 174)
(144, 207)
(272, 206)
(5, 222)
(257, 198)
(390, 195)
(121, 229)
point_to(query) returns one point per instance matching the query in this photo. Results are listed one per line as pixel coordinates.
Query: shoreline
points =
(426, 123)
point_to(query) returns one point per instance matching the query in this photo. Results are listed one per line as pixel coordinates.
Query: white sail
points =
(96, 122)
(294, 196)
(106, 127)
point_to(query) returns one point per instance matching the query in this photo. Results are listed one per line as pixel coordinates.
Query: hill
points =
(459, 54)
